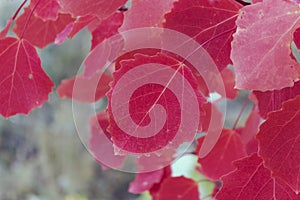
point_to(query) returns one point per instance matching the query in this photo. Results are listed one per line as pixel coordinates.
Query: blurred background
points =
(41, 156)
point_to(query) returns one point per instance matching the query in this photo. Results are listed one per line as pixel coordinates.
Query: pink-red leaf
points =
(211, 23)
(38, 32)
(63, 35)
(251, 180)
(100, 8)
(249, 131)
(86, 89)
(152, 14)
(145, 181)
(297, 38)
(178, 188)
(80, 23)
(219, 161)
(23, 83)
(100, 143)
(154, 103)
(272, 100)
(279, 142)
(46, 9)
(229, 83)
(154, 191)
(206, 119)
(261, 47)
(107, 28)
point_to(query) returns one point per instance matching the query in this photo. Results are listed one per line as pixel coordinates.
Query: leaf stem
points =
(18, 10)
(28, 18)
(240, 114)
(204, 181)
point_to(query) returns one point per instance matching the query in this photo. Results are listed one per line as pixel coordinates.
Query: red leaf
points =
(272, 100)
(62, 36)
(206, 119)
(23, 83)
(38, 32)
(145, 181)
(211, 23)
(80, 23)
(154, 161)
(100, 8)
(229, 83)
(100, 143)
(152, 14)
(4, 32)
(279, 142)
(154, 191)
(249, 131)
(102, 54)
(107, 28)
(178, 188)
(251, 180)
(297, 38)
(228, 148)
(46, 9)
(147, 106)
(261, 47)
(87, 89)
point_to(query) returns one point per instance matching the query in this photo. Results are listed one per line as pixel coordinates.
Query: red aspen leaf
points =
(4, 32)
(103, 53)
(46, 9)
(80, 23)
(228, 148)
(229, 83)
(148, 105)
(178, 188)
(100, 143)
(23, 83)
(100, 8)
(206, 118)
(145, 181)
(211, 23)
(251, 180)
(279, 142)
(154, 191)
(88, 89)
(226, 74)
(272, 100)
(152, 14)
(256, 1)
(38, 32)
(258, 58)
(249, 131)
(227, 80)
(63, 35)
(153, 161)
(252, 146)
(251, 126)
(107, 28)
(131, 54)
(297, 38)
